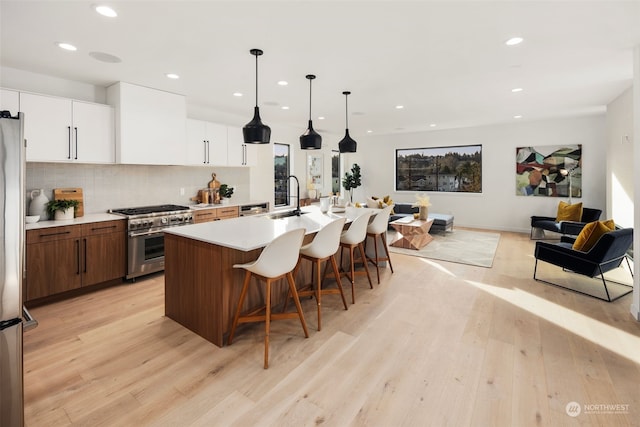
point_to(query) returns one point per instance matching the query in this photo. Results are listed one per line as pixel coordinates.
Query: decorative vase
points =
(423, 213)
(61, 215)
(38, 205)
(312, 193)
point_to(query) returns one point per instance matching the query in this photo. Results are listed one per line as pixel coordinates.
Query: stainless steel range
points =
(145, 227)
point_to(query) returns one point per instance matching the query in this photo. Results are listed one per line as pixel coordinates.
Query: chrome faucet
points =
(297, 211)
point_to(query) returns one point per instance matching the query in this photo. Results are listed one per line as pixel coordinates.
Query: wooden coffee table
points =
(414, 234)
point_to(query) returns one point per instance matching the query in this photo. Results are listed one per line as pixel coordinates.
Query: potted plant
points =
(352, 180)
(225, 191)
(62, 209)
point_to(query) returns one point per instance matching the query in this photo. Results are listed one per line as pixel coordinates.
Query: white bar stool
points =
(277, 260)
(378, 228)
(352, 238)
(323, 248)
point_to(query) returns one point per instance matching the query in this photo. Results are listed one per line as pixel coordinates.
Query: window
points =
(335, 171)
(456, 169)
(281, 173)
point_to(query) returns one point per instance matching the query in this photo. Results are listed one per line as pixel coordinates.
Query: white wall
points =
(620, 159)
(498, 207)
(635, 302)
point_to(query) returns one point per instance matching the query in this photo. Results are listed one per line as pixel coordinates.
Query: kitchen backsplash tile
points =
(119, 186)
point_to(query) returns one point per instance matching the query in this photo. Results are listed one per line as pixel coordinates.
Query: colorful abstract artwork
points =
(549, 171)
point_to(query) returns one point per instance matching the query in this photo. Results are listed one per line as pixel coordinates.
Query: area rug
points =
(462, 246)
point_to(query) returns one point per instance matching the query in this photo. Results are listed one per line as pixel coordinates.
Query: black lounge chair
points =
(571, 228)
(606, 255)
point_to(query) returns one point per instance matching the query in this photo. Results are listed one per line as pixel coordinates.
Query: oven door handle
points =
(144, 233)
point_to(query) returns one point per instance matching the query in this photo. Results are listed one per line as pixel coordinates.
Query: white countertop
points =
(231, 202)
(254, 232)
(95, 217)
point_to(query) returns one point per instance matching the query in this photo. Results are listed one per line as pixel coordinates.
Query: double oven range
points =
(145, 226)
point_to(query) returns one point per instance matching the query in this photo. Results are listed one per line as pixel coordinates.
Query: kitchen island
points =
(201, 286)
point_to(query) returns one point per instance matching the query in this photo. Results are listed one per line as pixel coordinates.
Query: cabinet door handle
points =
(60, 233)
(103, 228)
(76, 155)
(78, 256)
(69, 139)
(244, 154)
(85, 254)
(204, 145)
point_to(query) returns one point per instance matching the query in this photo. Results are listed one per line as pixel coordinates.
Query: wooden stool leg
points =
(243, 293)
(267, 322)
(386, 249)
(375, 262)
(337, 273)
(353, 275)
(366, 268)
(296, 300)
(318, 293)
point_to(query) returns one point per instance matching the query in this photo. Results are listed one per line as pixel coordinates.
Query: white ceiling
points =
(445, 62)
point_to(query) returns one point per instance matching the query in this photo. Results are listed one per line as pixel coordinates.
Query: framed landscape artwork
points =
(549, 171)
(453, 169)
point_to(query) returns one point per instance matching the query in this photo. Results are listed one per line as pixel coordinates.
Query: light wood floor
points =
(434, 344)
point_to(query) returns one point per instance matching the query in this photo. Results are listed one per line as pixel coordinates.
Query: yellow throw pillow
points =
(387, 200)
(567, 212)
(591, 233)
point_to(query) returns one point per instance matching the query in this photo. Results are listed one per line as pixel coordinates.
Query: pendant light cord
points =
(256, 80)
(346, 111)
(310, 99)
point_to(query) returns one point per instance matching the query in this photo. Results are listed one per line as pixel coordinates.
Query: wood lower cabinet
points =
(215, 214)
(104, 252)
(53, 261)
(60, 259)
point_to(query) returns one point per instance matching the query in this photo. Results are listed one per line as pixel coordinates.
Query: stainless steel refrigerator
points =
(12, 199)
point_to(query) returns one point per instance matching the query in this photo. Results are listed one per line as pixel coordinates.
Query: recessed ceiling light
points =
(432, 125)
(321, 118)
(172, 76)
(237, 94)
(399, 107)
(106, 11)
(66, 46)
(105, 57)
(514, 41)
(517, 116)
(369, 131)
(283, 83)
(285, 107)
(516, 89)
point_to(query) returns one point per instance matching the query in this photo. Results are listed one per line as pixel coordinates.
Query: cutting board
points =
(70, 194)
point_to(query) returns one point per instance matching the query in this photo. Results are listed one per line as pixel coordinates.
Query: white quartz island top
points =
(254, 232)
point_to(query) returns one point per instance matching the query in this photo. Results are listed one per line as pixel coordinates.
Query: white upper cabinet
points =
(10, 101)
(94, 132)
(239, 153)
(150, 125)
(63, 130)
(206, 143)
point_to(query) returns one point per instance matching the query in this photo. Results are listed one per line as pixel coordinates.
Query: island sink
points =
(285, 214)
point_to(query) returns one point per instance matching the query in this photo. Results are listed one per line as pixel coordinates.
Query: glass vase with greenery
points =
(352, 180)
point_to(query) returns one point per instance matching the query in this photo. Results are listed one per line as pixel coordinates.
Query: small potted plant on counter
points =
(225, 192)
(62, 209)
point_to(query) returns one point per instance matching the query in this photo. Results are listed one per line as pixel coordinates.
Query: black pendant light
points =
(310, 139)
(255, 132)
(347, 145)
